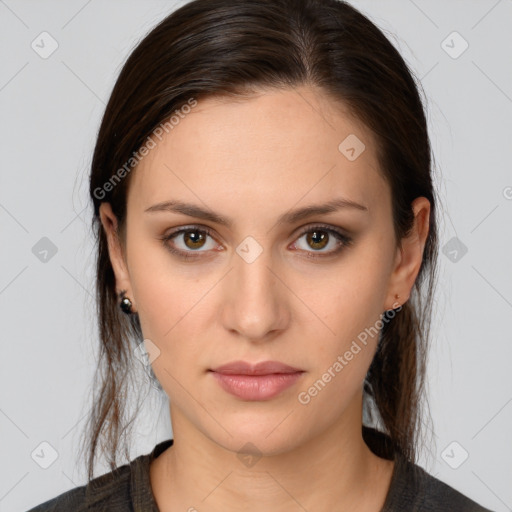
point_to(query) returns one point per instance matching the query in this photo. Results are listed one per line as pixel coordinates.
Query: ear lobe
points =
(117, 259)
(410, 254)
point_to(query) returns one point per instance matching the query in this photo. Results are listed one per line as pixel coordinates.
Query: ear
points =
(409, 256)
(115, 250)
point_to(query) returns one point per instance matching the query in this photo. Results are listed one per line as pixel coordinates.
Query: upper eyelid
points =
(210, 231)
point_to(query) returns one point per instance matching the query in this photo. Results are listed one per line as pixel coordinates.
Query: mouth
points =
(262, 381)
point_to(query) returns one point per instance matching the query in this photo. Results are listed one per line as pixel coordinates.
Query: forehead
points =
(276, 148)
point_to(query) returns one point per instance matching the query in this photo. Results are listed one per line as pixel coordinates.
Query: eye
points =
(319, 237)
(189, 240)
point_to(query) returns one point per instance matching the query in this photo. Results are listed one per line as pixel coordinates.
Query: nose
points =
(256, 299)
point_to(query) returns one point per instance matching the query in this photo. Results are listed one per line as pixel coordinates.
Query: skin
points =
(253, 160)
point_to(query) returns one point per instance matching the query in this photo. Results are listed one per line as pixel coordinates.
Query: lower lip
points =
(256, 387)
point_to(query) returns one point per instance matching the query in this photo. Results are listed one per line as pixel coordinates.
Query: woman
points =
(266, 223)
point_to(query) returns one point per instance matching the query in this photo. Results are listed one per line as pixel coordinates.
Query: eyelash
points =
(344, 240)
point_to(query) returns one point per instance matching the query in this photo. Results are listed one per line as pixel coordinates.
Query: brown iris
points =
(197, 239)
(317, 238)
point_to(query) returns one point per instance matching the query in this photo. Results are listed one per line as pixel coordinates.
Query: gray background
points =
(50, 112)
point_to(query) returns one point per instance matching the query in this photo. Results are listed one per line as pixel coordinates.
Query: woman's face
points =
(268, 284)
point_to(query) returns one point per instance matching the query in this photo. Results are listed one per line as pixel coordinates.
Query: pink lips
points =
(262, 381)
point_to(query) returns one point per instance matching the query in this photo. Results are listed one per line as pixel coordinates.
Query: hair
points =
(226, 48)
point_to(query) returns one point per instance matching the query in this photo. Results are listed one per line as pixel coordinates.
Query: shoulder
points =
(413, 489)
(125, 488)
(107, 492)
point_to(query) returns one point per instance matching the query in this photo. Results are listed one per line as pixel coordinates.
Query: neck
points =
(331, 471)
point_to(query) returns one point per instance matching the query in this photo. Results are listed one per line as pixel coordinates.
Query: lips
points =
(263, 368)
(262, 381)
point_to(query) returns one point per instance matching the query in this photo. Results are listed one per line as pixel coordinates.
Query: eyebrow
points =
(289, 217)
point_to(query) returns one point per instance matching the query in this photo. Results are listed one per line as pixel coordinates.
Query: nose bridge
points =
(255, 306)
(252, 273)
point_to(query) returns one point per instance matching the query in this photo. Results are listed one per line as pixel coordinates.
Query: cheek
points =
(340, 361)
(169, 318)
(170, 308)
(350, 306)
(174, 308)
(352, 303)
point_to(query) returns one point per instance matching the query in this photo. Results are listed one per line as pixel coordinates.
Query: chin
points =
(257, 442)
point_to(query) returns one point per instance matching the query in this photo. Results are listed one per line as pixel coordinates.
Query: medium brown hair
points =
(228, 48)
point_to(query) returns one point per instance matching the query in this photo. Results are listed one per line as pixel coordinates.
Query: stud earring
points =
(126, 303)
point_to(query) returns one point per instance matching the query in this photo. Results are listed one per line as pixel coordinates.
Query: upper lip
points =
(263, 368)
